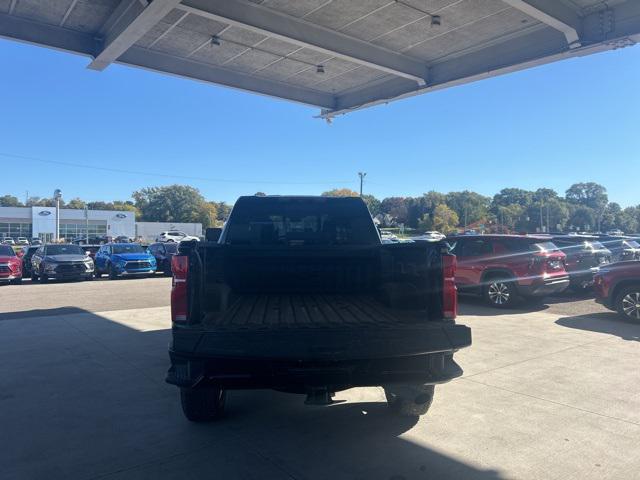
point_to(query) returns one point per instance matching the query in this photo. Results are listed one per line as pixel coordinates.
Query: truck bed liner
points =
(273, 311)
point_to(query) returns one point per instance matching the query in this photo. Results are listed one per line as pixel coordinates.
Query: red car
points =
(617, 287)
(502, 268)
(10, 265)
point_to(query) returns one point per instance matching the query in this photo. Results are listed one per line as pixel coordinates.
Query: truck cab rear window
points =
(312, 222)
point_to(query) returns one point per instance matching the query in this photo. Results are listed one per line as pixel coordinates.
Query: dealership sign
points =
(121, 215)
(44, 213)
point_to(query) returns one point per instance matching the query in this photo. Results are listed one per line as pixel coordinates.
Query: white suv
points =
(174, 236)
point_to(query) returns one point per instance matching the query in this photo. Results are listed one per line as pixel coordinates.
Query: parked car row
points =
(67, 261)
(505, 268)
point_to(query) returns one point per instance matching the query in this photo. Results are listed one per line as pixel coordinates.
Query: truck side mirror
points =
(213, 234)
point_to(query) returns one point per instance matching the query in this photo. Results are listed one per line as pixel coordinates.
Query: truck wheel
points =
(96, 272)
(34, 276)
(202, 404)
(628, 303)
(500, 293)
(16, 281)
(410, 400)
(43, 278)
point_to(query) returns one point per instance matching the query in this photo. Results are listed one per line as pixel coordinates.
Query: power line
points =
(181, 177)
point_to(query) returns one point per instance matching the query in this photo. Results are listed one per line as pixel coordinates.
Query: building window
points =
(69, 231)
(15, 230)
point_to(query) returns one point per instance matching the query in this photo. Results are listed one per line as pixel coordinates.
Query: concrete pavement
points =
(82, 396)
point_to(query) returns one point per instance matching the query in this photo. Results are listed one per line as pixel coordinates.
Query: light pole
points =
(86, 219)
(361, 175)
(57, 195)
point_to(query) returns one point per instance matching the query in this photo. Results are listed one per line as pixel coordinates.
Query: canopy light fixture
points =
(215, 41)
(320, 69)
(435, 20)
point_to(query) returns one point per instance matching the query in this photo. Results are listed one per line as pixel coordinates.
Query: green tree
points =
(589, 194)
(260, 194)
(509, 217)
(172, 203)
(445, 220)
(611, 217)
(469, 206)
(43, 202)
(76, 204)
(418, 207)
(396, 207)
(511, 196)
(222, 211)
(10, 201)
(373, 204)
(629, 220)
(582, 218)
(340, 192)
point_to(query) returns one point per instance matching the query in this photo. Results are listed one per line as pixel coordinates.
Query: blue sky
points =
(551, 126)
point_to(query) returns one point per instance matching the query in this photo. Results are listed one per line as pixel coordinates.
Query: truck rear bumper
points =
(339, 358)
(299, 377)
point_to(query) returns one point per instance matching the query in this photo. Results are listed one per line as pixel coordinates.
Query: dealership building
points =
(40, 222)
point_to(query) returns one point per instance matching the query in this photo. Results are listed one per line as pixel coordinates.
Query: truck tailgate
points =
(318, 327)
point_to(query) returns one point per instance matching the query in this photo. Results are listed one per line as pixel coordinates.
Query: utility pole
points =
(361, 175)
(541, 220)
(26, 198)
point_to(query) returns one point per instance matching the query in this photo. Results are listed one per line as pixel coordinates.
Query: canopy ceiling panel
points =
(339, 55)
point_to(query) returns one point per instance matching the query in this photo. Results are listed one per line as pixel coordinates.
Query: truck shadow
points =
(474, 305)
(603, 322)
(83, 396)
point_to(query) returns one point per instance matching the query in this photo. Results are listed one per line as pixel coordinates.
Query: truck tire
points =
(42, 277)
(628, 303)
(499, 292)
(16, 281)
(202, 404)
(34, 276)
(410, 400)
(96, 272)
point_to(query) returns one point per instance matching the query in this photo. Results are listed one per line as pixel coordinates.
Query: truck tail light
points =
(179, 295)
(449, 290)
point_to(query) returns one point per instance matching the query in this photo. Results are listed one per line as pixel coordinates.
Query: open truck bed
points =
(321, 327)
(299, 313)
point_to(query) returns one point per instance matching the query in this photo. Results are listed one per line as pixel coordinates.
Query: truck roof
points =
(296, 197)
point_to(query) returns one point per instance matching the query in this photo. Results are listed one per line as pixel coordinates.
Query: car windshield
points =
(63, 250)
(631, 244)
(6, 251)
(595, 245)
(544, 246)
(128, 248)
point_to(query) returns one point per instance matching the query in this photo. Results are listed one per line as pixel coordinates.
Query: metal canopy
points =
(340, 55)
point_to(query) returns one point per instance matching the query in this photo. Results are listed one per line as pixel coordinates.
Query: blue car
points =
(124, 259)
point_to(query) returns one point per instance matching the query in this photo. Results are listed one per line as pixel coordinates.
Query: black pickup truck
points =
(299, 294)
